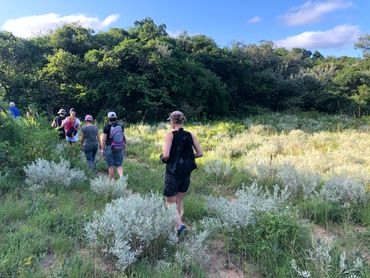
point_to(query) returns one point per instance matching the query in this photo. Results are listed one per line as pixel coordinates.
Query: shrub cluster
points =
(41, 173)
(131, 227)
(105, 186)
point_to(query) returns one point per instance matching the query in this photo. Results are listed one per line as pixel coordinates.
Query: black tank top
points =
(182, 147)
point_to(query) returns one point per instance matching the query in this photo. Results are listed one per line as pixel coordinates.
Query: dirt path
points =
(219, 265)
(322, 234)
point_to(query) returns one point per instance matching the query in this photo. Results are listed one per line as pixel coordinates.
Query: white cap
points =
(112, 115)
(12, 104)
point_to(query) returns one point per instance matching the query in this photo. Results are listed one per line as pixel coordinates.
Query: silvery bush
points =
(193, 250)
(344, 190)
(130, 226)
(322, 261)
(103, 185)
(41, 173)
(298, 182)
(241, 211)
(218, 168)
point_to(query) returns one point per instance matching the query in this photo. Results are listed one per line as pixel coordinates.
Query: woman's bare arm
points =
(197, 147)
(99, 139)
(167, 146)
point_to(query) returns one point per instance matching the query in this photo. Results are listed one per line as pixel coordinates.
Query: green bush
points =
(272, 242)
(324, 213)
(23, 141)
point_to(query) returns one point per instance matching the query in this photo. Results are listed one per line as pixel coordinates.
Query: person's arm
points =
(64, 122)
(54, 123)
(167, 146)
(197, 147)
(82, 138)
(99, 140)
(103, 142)
(78, 124)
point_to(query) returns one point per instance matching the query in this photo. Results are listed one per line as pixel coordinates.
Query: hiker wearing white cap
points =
(57, 122)
(14, 111)
(90, 141)
(113, 145)
(178, 154)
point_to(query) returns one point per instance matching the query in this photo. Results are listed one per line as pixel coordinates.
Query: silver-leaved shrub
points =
(103, 185)
(344, 191)
(242, 210)
(131, 226)
(218, 168)
(298, 183)
(41, 173)
(322, 261)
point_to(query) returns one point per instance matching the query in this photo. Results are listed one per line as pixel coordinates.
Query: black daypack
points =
(184, 161)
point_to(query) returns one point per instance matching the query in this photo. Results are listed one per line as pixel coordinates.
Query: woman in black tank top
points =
(178, 154)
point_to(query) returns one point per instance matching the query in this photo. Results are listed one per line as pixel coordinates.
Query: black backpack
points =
(184, 162)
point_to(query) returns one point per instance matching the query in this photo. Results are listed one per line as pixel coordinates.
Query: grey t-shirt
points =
(90, 133)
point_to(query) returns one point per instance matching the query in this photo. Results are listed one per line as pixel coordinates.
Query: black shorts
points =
(173, 185)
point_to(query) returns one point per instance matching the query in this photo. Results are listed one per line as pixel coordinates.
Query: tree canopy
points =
(143, 73)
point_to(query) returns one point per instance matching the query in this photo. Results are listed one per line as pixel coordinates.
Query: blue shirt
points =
(15, 112)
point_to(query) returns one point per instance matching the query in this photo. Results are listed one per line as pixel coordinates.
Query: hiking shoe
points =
(181, 229)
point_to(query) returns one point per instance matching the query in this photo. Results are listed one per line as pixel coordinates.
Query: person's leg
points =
(120, 171)
(88, 153)
(94, 150)
(180, 203)
(111, 172)
(170, 192)
(183, 188)
(110, 161)
(118, 161)
(171, 201)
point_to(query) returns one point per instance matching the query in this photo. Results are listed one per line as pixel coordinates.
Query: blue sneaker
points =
(181, 229)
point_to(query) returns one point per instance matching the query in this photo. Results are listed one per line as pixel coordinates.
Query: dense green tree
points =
(142, 73)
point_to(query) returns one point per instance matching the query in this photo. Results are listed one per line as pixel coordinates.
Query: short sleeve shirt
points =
(91, 134)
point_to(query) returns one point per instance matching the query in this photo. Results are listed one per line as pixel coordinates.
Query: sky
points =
(329, 26)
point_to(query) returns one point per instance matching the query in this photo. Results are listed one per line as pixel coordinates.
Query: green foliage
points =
(142, 73)
(23, 141)
(272, 242)
(325, 213)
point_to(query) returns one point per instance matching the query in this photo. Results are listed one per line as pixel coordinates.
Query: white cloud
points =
(337, 37)
(30, 26)
(254, 20)
(313, 11)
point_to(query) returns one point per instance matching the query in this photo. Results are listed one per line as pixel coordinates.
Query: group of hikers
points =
(180, 149)
(15, 113)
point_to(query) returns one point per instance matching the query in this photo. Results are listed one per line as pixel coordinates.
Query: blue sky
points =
(331, 26)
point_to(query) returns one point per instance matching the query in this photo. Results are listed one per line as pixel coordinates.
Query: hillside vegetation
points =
(282, 195)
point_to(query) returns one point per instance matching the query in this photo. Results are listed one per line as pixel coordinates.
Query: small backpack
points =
(184, 159)
(118, 137)
(70, 128)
